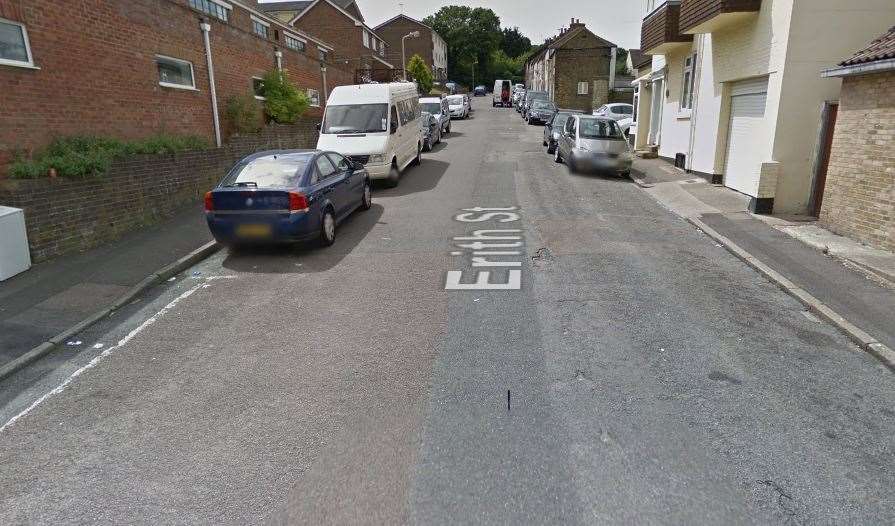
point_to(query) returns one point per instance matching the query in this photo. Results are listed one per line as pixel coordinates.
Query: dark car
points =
(286, 196)
(431, 131)
(553, 128)
(541, 111)
(479, 91)
(530, 97)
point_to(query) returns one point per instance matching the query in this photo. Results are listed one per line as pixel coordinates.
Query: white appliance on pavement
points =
(14, 254)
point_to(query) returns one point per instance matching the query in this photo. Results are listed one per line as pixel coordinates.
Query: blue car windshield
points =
(271, 171)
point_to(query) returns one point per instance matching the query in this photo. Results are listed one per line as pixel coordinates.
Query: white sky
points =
(615, 20)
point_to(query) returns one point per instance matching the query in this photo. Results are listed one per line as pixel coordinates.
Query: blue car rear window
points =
(271, 171)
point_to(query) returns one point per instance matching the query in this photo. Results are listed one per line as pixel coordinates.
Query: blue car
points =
(286, 196)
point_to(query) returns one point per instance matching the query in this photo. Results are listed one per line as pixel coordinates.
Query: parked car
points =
(519, 86)
(431, 129)
(377, 125)
(530, 97)
(620, 112)
(479, 91)
(591, 143)
(458, 106)
(541, 111)
(501, 95)
(439, 109)
(553, 128)
(451, 86)
(467, 103)
(517, 97)
(286, 196)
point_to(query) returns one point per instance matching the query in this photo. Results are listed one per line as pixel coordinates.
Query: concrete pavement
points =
(654, 378)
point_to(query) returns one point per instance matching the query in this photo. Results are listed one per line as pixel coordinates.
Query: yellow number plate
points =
(253, 231)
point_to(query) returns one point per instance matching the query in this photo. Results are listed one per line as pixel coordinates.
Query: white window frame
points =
(177, 86)
(586, 85)
(259, 97)
(366, 38)
(18, 63)
(688, 85)
(223, 4)
(312, 98)
(297, 38)
(256, 20)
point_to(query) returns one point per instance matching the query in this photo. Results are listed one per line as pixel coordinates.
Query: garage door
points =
(747, 138)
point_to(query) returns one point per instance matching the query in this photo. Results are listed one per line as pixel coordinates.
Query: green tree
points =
(419, 71)
(621, 61)
(514, 43)
(244, 114)
(472, 35)
(284, 102)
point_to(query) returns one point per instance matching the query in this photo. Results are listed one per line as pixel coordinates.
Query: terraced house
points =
(133, 69)
(428, 45)
(356, 46)
(734, 91)
(577, 68)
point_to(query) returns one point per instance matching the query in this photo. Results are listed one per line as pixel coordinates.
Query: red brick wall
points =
(332, 26)
(395, 30)
(98, 75)
(859, 197)
(70, 215)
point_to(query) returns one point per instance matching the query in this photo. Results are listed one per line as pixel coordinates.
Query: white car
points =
(377, 125)
(621, 113)
(439, 108)
(458, 106)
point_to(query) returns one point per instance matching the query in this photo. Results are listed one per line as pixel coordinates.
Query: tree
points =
(621, 61)
(284, 103)
(471, 35)
(514, 43)
(419, 71)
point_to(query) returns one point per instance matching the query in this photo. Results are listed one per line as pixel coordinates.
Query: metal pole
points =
(206, 29)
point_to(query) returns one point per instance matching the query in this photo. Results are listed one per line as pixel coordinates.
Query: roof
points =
(299, 6)
(882, 48)
(639, 59)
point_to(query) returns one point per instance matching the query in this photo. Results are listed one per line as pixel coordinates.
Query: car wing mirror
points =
(319, 126)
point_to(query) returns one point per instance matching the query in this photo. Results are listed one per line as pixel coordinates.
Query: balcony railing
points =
(705, 16)
(660, 31)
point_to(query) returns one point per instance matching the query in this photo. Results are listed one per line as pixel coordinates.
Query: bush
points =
(419, 71)
(244, 114)
(285, 103)
(83, 157)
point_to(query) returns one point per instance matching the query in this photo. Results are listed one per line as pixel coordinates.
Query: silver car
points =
(589, 143)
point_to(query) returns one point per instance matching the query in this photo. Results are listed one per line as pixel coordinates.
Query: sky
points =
(615, 20)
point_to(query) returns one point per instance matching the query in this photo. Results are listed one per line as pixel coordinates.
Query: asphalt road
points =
(652, 377)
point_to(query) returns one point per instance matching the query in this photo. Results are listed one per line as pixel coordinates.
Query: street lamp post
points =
(412, 34)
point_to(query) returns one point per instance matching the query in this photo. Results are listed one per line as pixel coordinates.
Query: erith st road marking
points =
(489, 248)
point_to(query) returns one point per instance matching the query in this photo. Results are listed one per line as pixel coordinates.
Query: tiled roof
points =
(638, 59)
(880, 49)
(285, 6)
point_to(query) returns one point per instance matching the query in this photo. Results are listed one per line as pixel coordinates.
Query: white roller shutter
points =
(747, 137)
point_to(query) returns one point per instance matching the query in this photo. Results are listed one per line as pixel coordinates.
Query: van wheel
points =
(394, 175)
(327, 228)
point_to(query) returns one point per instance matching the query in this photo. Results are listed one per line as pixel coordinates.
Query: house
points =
(577, 68)
(429, 45)
(733, 92)
(356, 45)
(858, 199)
(64, 75)
(636, 61)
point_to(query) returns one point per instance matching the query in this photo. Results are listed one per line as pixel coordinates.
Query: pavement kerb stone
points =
(166, 272)
(867, 342)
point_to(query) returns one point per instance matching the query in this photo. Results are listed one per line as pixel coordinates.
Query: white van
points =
(377, 125)
(502, 95)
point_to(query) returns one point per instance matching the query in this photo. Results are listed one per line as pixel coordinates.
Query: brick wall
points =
(323, 20)
(859, 197)
(98, 74)
(64, 215)
(395, 30)
(583, 59)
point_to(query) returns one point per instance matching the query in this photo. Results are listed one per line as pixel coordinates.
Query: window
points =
(258, 88)
(394, 120)
(175, 73)
(341, 163)
(261, 28)
(270, 171)
(314, 95)
(582, 88)
(356, 118)
(215, 8)
(325, 168)
(323, 54)
(689, 76)
(294, 43)
(366, 39)
(14, 47)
